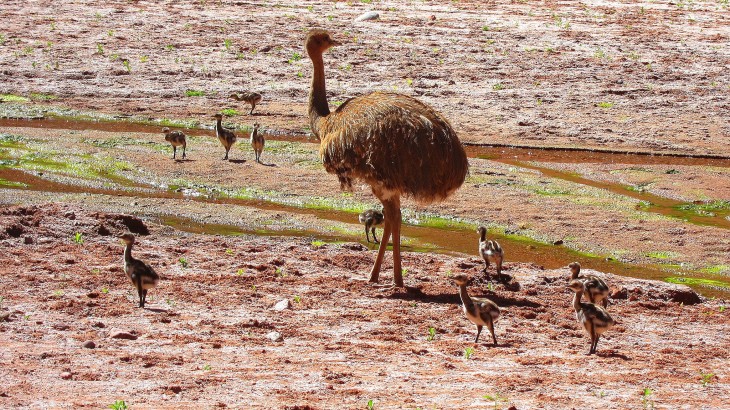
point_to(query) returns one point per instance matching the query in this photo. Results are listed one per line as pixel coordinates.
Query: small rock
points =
(275, 336)
(99, 325)
(217, 346)
(66, 375)
(5, 316)
(282, 305)
(124, 335)
(28, 240)
(558, 242)
(70, 215)
(89, 344)
(370, 15)
(69, 261)
(92, 295)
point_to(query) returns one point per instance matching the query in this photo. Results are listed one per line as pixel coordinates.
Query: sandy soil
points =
(204, 338)
(649, 76)
(601, 74)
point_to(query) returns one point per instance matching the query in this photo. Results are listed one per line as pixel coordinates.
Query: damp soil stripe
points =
(448, 240)
(495, 152)
(657, 204)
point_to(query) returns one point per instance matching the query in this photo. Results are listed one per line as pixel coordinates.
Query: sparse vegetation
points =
(294, 58)
(371, 404)
(468, 352)
(706, 378)
(229, 112)
(183, 262)
(605, 104)
(118, 405)
(78, 238)
(194, 93)
(431, 334)
(496, 398)
(646, 400)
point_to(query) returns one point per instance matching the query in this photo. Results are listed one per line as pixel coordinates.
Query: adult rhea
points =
(392, 142)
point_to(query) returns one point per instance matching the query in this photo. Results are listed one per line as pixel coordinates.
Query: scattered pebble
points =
(282, 305)
(558, 242)
(275, 336)
(89, 344)
(99, 325)
(66, 375)
(28, 240)
(370, 15)
(124, 335)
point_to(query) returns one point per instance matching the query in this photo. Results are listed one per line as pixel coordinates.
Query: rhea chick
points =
(596, 288)
(257, 141)
(490, 251)
(480, 311)
(176, 139)
(225, 136)
(594, 318)
(249, 97)
(142, 275)
(370, 219)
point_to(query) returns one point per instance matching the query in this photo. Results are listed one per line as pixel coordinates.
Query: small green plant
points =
(371, 404)
(706, 378)
(127, 65)
(468, 352)
(240, 272)
(431, 334)
(227, 44)
(144, 59)
(100, 49)
(110, 33)
(409, 82)
(194, 93)
(318, 243)
(2, 39)
(297, 299)
(78, 238)
(2, 299)
(207, 367)
(605, 104)
(295, 57)
(229, 251)
(722, 308)
(490, 286)
(183, 262)
(229, 112)
(253, 289)
(646, 400)
(118, 405)
(404, 271)
(496, 398)
(105, 290)
(279, 272)
(498, 86)
(58, 293)
(26, 317)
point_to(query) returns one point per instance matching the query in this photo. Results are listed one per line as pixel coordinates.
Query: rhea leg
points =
(144, 297)
(184, 147)
(253, 105)
(375, 271)
(140, 292)
(396, 220)
(174, 151)
(367, 233)
(491, 330)
(593, 338)
(479, 331)
(375, 238)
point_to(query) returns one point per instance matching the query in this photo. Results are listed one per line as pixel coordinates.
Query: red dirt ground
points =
(202, 340)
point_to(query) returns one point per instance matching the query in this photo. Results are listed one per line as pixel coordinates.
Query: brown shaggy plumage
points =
(393, 142)
(249, 97)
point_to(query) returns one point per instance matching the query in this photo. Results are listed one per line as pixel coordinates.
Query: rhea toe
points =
(480, 311)
(142, 275)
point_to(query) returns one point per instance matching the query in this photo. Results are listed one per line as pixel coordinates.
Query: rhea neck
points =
(574, 273)
(318, 106)
(483, 235)
(128, 251)
(576, 301)
(218, 125)
(465, 299)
